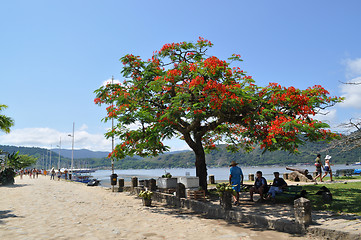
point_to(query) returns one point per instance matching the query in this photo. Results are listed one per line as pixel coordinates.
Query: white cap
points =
(328, 157)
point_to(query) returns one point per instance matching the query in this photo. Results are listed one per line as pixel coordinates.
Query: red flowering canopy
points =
(182, 92)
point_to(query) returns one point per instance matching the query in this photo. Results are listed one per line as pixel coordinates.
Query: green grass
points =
(327, 178)
(346, 197)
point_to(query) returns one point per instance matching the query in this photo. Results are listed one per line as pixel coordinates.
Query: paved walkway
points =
(325, 224)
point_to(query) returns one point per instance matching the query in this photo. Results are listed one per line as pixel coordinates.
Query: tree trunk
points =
(201, 167)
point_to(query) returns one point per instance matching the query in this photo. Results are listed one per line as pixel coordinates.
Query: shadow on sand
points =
(6, 214)
(14, 185)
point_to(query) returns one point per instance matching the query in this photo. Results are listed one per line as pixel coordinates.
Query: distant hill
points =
(81, 153)
(183, 159)
(66, 153)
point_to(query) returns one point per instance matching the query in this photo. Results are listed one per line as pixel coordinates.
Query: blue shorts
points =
(237, 188)
(327, 169)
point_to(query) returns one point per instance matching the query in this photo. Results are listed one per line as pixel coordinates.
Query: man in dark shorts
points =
(318, 165)
(260, 186)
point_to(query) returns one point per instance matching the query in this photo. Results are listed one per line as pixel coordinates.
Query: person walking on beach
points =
(318, 165)
(66, 174)
(52, 172)
(260, 186)
(236, 180)
(59, 174)
(327, 168)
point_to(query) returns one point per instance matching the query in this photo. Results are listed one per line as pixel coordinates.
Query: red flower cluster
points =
(215, 65)
(204, 41)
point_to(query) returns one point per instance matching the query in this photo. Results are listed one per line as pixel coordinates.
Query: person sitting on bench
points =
(260, 186)
(277, 187)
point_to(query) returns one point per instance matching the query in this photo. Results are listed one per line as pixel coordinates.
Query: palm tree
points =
(5, 122)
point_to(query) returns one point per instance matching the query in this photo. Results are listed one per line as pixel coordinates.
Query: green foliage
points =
(146, 194)
(167, 175)
(224, 187)
(26, 161)
(5, 122)
(17, 161)
(7, 176)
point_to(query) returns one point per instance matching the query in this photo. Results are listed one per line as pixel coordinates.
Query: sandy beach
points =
(46, 209)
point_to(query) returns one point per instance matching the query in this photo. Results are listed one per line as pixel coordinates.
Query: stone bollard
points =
(251, 177)
(134, 183)
(211, 179)
(285, 176)
(146, 183)
(152, 184)
(226, 200)
(121, 184)
(180, 190)
(302, 208)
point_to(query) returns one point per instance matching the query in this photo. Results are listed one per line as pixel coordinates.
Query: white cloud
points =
(353, 67)
(177, 144)
(352, 93)
(327, 116)
(83, 127)
(109, 81)
(45, 137)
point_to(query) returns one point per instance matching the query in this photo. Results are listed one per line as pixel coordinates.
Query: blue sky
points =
(54, 54)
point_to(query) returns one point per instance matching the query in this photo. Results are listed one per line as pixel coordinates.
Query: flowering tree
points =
(182, 92)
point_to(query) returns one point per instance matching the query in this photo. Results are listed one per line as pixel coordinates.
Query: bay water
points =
(219, 173)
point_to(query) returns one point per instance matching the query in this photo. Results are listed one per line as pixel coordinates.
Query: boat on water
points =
(80, 174)
(82, 170)
(81, 177)
(357, 163)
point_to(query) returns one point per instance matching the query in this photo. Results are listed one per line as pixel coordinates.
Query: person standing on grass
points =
(327, 168)
(236, 180)
(318, 165)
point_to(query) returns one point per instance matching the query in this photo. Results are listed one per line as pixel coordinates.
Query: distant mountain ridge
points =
(66, 153)
(81, 153)
(186, 159)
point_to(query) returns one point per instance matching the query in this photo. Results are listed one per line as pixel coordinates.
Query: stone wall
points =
(211, 210)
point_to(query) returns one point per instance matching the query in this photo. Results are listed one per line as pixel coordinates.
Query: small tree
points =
(182, 92)
(5, 122)
(18, 161)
